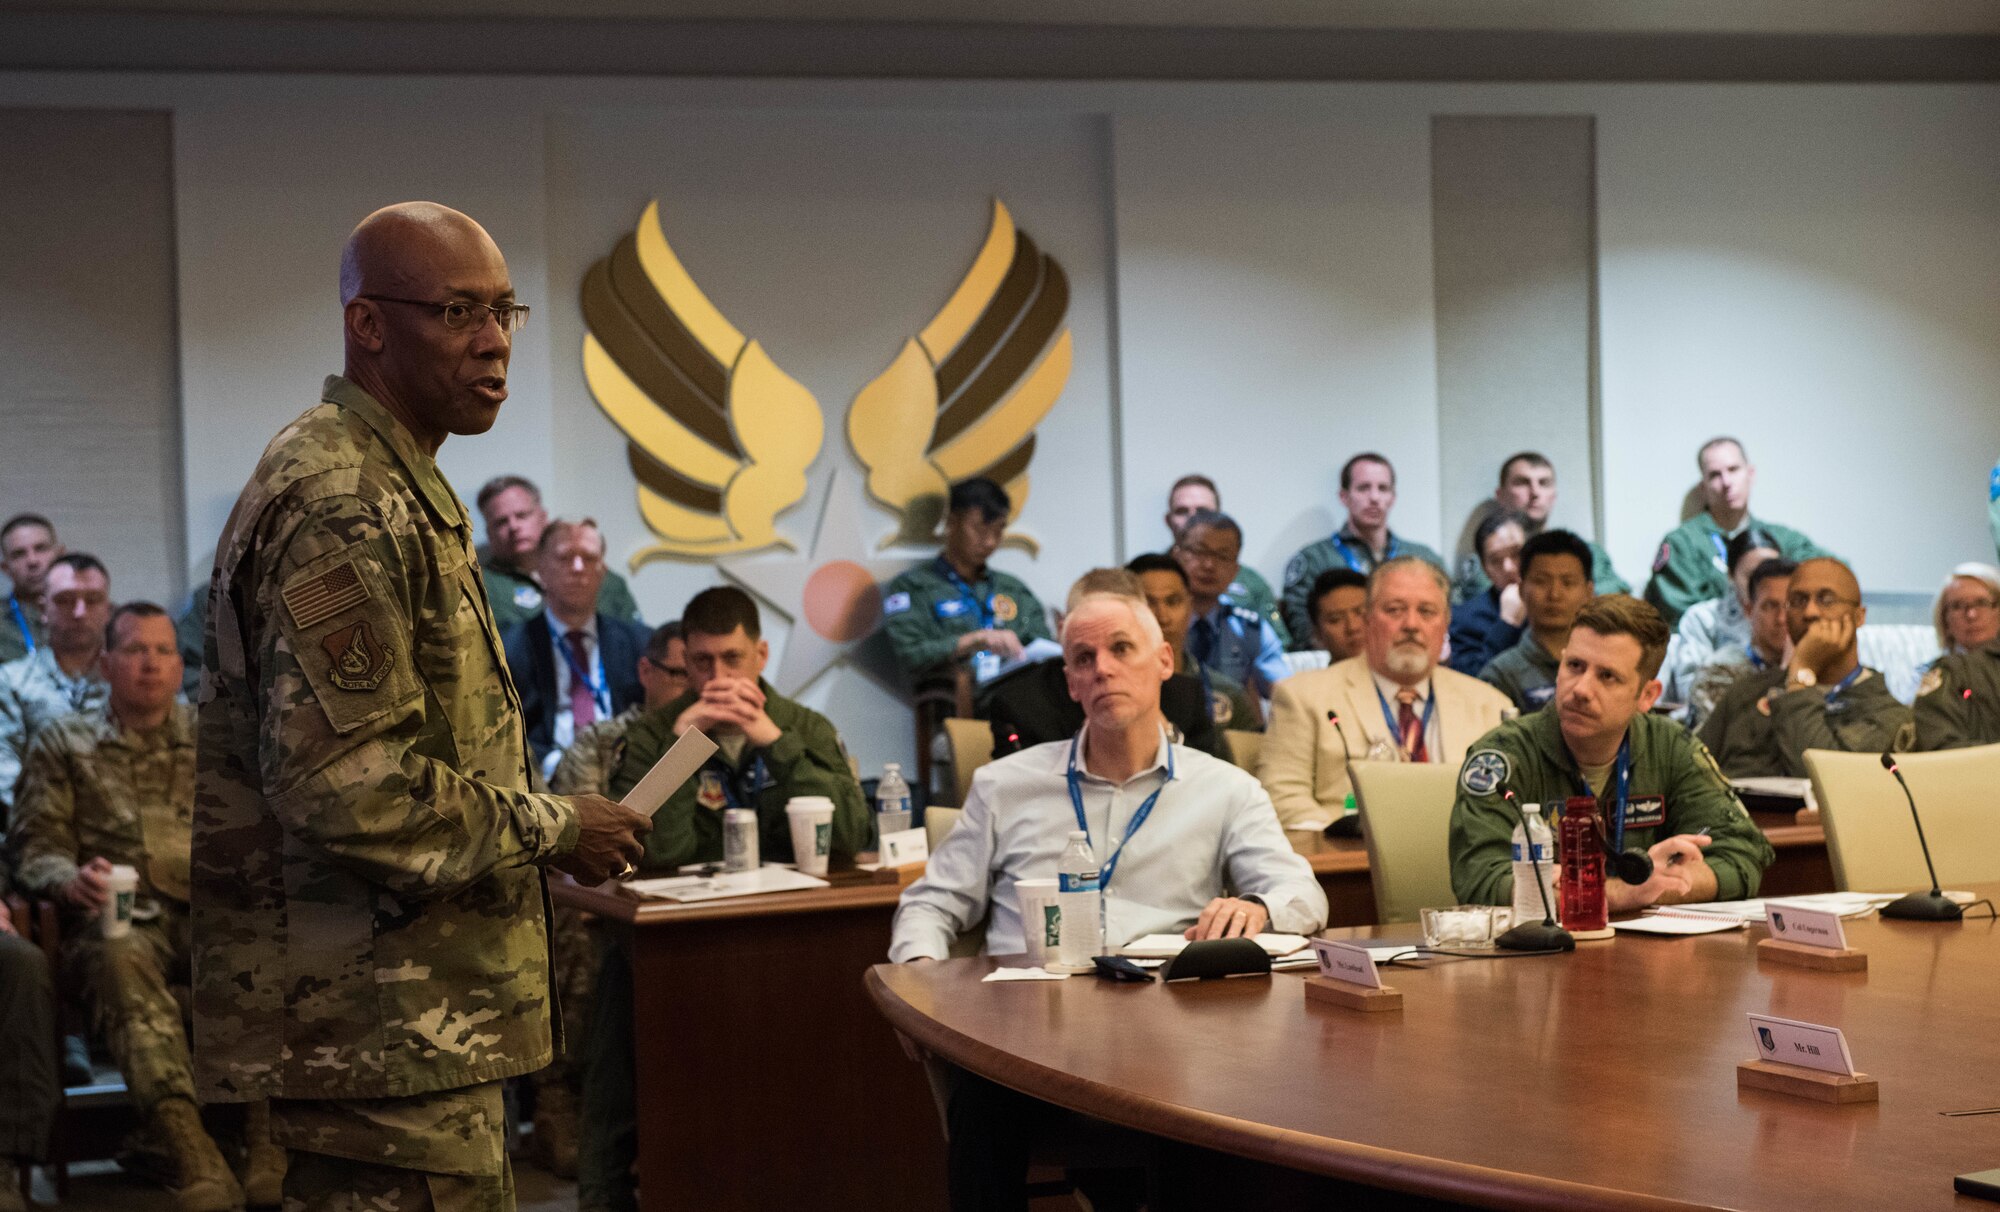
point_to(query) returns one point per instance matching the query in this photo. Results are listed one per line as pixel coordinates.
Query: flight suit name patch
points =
(1646, 812)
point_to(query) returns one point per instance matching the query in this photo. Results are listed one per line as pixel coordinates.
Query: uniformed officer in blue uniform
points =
(1234, 641)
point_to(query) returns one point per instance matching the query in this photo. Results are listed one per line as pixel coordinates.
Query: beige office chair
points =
(1244, 747)
(971, 744)
(1406, 821)
(1870, 837)
(938, 824)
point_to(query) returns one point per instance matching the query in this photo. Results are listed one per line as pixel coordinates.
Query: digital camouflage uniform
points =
(1958, 702)
(370, 919)
(1693, 562)
(924, 613)
(1675, 788)
(16, 614)
(35, 692)
(1525, 673)
(1344, 550)
(517, 597)
(1760, 729)
(91, 789)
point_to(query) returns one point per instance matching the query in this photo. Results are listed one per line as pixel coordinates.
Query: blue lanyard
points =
(27, 635)
(1721, 550)
(1396, 726)
(1354, 562)
(736, 796)
(598, 694)
(1845, 682)
(984, 610)
(1756, 658)
(1138, 818)
(1621, 782)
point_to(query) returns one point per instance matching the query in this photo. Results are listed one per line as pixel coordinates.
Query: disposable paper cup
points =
(812, 831)
(1041, 919)
(115, 919)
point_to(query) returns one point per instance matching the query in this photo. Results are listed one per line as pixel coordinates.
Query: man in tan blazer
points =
(1395, 702)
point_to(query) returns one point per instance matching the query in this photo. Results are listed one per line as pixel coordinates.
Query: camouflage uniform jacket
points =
(588, 763)
(369, 918)
(34, 693)
(91, 788)
(20, 628)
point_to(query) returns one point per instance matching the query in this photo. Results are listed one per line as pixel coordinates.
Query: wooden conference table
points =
(765, 1071)
(1603, 1079)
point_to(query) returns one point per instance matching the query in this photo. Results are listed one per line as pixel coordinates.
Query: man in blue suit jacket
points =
(572, 665)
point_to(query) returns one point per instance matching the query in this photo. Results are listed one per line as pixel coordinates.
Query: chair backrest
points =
(971, 744)
(1870, 837)
(1243, 747)
(1311, 658)
(1902, 651)
(938, 823)
(1406, 820)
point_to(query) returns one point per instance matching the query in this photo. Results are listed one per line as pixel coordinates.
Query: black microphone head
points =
(1635, 867)
(1889, 762)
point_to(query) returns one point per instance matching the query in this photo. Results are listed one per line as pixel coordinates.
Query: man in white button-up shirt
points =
(1212, 831)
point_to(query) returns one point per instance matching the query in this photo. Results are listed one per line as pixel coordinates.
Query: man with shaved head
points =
(370, 915)
(1824, 699)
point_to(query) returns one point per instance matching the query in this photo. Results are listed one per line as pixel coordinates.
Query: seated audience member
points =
(1164, 585)
(1227, 638)
(115, 785)
(1967, 611)
(512, 509)
(1196, 492)
(572, 664)
(28, 1083)
(1393, 703)
(1822, 699)
(1693, 564)
(1656, 787)
(1032, 705)
(955, 610)
(1364, 541)
(1958, 701)
(1769, 646)
(771, 749)
(585, 769)
(28, 546)
(1528, 487)
(1210, 862)
(1339, 607)
(62, 675)
(1490, 622)
(1719, 625)
(1555, 583)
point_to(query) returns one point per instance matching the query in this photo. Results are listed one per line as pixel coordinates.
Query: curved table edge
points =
(1370, 1165)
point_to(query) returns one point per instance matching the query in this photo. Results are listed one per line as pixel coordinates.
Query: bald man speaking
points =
(370, 915)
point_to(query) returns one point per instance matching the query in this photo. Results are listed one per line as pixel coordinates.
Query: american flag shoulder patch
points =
(317, 598)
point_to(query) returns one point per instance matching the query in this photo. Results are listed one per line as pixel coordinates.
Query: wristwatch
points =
(1804, 677)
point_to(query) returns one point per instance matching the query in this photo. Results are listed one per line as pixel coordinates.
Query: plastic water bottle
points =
(1532, 840)
(1079, 897)
(892, 802)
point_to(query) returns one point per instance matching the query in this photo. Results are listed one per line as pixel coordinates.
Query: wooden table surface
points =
(1602, 1079)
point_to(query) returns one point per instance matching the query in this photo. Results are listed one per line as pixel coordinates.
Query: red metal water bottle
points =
(1580, 893)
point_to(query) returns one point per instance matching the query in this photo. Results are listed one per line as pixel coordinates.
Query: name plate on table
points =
(1787, 1041)
(1347, 963)
(906, 847)
(1805, 926)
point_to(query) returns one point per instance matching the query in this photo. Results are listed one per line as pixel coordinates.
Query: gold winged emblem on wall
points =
(719, 438)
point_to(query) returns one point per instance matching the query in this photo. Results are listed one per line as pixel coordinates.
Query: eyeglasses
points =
(1975, 607)
(461, 314)
(1207, 554)
(669, 670)
(1825, 599)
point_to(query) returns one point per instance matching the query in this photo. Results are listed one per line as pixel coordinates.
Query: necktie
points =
(582, 703)
(1411, 725)
(1201, 642)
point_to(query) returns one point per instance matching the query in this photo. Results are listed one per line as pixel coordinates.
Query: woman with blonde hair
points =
(1967, 611)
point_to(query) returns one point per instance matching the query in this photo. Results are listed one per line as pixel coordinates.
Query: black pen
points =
(1676, 858)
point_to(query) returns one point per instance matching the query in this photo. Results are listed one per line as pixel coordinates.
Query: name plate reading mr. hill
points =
(1804, 1060)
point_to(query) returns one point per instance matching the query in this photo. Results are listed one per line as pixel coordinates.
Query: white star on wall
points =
(832, 593)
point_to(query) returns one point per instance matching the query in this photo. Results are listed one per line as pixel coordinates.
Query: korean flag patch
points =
(1484, 772)
(896, 603)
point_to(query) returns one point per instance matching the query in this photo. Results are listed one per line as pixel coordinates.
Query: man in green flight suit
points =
(956, 608)
(1824, 699)
(1528, 487)
(1368, 491)
(1192, 494)
(515, 519)
(1693, 563)
(1657, 787)
(771, 749)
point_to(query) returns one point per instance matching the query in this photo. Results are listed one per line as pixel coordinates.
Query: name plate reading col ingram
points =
(1805, 926)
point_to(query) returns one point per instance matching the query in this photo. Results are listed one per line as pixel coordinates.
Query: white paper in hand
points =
(676, 766)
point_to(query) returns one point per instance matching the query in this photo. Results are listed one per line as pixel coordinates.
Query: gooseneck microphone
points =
(1544, 935)
(1932, 906)
(1348, 824)
(1634, 866)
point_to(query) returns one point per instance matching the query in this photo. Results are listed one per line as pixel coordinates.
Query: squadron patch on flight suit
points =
(1933, 678)
(1003, 607)
(709, 793)
(1484, 772)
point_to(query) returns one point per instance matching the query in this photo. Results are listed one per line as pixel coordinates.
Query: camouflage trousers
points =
(444, 1150)
(127, 985)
